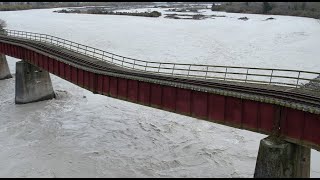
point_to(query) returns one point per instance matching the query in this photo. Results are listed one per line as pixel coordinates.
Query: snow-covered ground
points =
(80, 134)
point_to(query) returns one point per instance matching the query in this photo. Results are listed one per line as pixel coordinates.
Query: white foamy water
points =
(81, 134)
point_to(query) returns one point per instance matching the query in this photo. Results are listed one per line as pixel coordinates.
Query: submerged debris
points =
(270, 18)
(188, 16)
(243, 18)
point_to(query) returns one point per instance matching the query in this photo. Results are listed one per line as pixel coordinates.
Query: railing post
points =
(145, 69)
(102, 55)
(189, 70)
(134, 63)
(247, 75)
(225, 74)
(206, 72)
(298, 79)
(112, 58)
(122, 61)
(173, 68)
(159, 67)
(271, 76)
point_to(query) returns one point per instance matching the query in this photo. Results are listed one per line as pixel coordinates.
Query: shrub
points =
(266, 7)
(3, 24)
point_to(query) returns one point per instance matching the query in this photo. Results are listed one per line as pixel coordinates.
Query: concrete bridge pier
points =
(32, 84)
(280, 159)
(4, 68)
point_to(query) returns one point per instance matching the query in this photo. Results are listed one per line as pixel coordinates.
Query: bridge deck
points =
(296, 98)
(289, 112)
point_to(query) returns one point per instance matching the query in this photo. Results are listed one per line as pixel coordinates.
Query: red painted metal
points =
(100, 83)
(28, 58)
(247, 114)
(86, 79)
(144, 93)
(61, 69)
(15, 53)
(133, 90)
(4, 49)
(267, 114)
(106, 85)
(293, 123)
(50, 64)
(45, 63)
(183, 101)
(20, 53)
(41, 61)
(56, 67)
(250, 114)
(67, 72)
(74, 75)
(113, 87)
(216, 108)
(233, 111)
(80, 78)
(36, 59)
(122, 88)
(199, 104)
(12, 50)
(8, 48)
(311, 128)
(169, 98)
(92, 82)
(156, 96)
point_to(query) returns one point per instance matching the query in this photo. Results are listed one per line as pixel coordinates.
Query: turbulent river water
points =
(80, 134)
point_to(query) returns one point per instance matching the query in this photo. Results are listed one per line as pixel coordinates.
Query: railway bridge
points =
(281, 103)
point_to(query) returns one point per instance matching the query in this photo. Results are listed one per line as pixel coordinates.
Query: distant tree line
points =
(102, 11)
(303, 9)
(14, 6)
(3, 24)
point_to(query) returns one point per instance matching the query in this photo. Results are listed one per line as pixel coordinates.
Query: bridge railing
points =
(283, 77)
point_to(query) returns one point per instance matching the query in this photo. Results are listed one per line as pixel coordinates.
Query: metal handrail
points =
(283, 77)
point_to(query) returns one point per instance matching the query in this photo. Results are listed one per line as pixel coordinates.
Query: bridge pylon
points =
(32, 84)
(281, 159)
(4, 68)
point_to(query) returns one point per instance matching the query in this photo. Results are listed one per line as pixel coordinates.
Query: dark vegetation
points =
(3, 24)
(103, 11)
(13, 6)
(302, 9)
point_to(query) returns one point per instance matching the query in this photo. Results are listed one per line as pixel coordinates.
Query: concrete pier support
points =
(280, 159)
(32, 84)
(4, 68)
